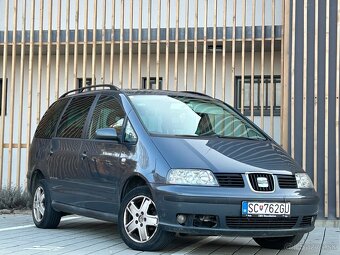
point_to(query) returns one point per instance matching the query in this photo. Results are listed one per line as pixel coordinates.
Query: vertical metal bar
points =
(4, 91)
(49, 49)
(75, 56)
(195, 46)
(282, 113)
(41, 20)
(224, 48)
(11, 108)
(121, 44)
(67, 45)
(148, 46)
(204, 89)
(272, 71)
(252, 64)
(316, 65)
(337, 166)
(285, 74)
(85, 42)
(140, 24)
(186, 45)
(262, 65)
(57, 61)
(94, 43)
(21, 93)
(130, 45)
(233, 56)
(304, 85)
(112, 45)
(292, 88)
(326, 107)
(176, 47)
(102, 65)
(214, 52)
(243, 53)
(167, 46)
(30, 82)
(158, 43)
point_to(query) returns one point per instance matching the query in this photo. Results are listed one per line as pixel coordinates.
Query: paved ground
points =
(80, 235)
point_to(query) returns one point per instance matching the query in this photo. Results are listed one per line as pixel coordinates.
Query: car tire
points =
(138, 222)
(44, 216)
(278, 243)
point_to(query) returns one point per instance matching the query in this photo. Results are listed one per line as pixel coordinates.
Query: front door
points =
(102, 157)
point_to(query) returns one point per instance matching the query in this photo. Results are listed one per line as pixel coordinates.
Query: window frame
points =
(53, 134)
(86, 119)
(86, 130)
(266, 105)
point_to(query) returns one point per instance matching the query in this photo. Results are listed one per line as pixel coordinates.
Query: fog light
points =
(181, 218)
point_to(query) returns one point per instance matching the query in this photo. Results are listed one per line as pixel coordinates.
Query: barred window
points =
(108, 113)
(73, 120)
(49, 121)
(257, 94)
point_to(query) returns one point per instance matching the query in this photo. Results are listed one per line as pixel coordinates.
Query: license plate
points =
(265, 209)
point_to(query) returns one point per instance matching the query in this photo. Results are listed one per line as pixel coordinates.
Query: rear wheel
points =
(139, 223)
(44, 216)
(278, 243)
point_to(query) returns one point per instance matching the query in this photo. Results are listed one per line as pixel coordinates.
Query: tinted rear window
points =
(73, 120)
(49, 121)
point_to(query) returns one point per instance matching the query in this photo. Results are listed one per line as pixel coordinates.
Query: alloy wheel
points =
(39, 204)
(140, 219)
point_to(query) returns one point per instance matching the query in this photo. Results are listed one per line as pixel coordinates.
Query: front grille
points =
(287, 181)
(230, 180)
(306, 221)
(259, 222)
(255, 185)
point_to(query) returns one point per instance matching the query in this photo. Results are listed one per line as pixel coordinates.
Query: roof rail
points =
(79, 90)
(196, 93)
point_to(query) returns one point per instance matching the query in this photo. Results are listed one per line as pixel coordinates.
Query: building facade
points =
(277, 61)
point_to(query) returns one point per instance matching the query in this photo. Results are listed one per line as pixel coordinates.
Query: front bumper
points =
(225, 205)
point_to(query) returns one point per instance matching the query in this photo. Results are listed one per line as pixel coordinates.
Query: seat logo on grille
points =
(262, 182)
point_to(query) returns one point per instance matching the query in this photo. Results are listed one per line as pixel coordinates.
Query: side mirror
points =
(106, 134)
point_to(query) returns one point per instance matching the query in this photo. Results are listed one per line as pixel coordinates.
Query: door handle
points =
(83, 155)
(51, 152)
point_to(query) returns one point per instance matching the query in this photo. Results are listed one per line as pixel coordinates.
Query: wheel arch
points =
(35, 177)
(131, 183)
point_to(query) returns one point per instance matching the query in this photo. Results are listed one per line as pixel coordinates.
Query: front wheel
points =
(139, 223)
(278, 243)
(44, 216)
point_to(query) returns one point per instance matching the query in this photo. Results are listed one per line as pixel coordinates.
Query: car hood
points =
(222, 155)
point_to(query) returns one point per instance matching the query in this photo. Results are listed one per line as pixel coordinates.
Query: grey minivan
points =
(163, 162)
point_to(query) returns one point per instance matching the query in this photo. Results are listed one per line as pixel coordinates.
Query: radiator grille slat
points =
(258, 222)
(230, 180)
(287, 181)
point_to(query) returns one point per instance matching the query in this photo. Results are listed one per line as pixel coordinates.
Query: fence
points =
(253, 54)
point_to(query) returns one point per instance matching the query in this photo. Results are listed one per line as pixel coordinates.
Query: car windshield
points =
(187, 116)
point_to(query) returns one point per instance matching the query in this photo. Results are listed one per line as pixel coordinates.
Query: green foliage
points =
(15, 199)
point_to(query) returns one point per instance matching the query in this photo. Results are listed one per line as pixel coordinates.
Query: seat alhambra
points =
(159, 163)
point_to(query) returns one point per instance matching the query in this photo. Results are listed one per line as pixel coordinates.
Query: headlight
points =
(191, 177)
(303, 181)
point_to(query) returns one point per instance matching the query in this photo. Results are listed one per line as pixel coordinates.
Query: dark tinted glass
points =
(73, 120)
(49, 120)
(108, 113)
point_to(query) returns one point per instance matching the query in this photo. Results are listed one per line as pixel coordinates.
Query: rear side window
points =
(73, 120)
(49, 121)
(107, 114)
